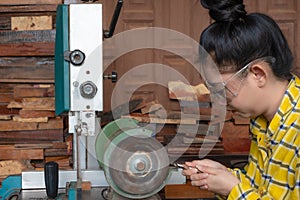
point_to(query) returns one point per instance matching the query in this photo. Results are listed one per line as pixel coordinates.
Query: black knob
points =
(51, 179)
(113, 76)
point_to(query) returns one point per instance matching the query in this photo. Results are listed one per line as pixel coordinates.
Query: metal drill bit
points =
(183, 166)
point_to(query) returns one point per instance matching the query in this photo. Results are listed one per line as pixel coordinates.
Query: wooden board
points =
(186, 191)
(35, 103)
(17, 126)
(23, 126)
(30, 120)
(27, 49)
(155, 120)
(182, 91)
(26, 68)
(27, 8)
(36, 113)
(38, 90)
(17, 37)
(11, 167)
(26, 23)
(24, 2)
(18, 154)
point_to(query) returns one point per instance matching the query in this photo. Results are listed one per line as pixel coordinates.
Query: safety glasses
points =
(233, 84)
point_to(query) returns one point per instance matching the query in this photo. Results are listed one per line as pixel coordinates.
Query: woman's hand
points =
(215, 177)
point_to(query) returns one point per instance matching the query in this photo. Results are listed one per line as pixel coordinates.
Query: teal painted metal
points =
(62, 72)
(72, 191)
(11, 186)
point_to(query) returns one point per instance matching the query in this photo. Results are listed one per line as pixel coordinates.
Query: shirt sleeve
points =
(244, 190)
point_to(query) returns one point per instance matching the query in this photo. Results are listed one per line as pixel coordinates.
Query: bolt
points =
(140, 166)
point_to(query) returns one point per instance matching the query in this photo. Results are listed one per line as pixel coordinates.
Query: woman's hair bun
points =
(225, 10)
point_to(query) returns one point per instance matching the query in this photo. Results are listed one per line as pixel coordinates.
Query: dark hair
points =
(238, 38)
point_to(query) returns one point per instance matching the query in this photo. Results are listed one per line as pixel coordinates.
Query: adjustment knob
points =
(113, 76)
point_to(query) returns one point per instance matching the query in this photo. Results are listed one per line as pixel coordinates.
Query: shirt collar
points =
(260, 125)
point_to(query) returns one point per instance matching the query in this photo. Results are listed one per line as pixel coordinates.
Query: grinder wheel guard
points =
(135, 164)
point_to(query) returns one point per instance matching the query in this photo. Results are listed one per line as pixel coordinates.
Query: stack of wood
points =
(34, 132)
(202, 137)
(29, 130)
(194, 130)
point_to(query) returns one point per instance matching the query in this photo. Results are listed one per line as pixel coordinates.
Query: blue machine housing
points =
(11, 186)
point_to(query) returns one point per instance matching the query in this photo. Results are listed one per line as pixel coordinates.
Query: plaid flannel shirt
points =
(273, 170)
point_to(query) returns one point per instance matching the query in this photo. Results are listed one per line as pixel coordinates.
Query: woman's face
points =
(242, 95)
(240, 89)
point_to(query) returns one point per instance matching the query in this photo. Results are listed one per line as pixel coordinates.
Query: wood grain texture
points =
(19, 154)
(27, 49)
(29, 69)
(28, 8)
(24, 2)
(31, 23)
(15, 136)
(186, 191)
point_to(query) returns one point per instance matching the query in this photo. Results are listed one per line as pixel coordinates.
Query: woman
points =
(255, 64)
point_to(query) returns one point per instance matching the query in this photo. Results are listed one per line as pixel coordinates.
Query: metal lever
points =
(109, 33)
(51, 179)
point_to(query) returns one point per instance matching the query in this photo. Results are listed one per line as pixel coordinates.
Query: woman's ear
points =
(259, 73)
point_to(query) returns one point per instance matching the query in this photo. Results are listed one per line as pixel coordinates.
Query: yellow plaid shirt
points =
(273, 171)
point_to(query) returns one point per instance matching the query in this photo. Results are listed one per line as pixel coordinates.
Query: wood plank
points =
(22, 81)
(36, 113)
(26, 23)
(150, 107)
(17, 126)
(8, 111)
(186, 191)
(5, 117)
(155, 120)
(200, 139)
(19, 154)
(27, 49)
(27, 8)
(57, 152)
(41, 90)
(182, 91)
(5, 23)
(54, 123)
(194, 151)
(35, 103)
(6, 97)
(64, 162)
(53, 145)
(16, 37)
(30, 120)
(6, 19)
(11, 167)
(20, 2)
(31, 135)
(14, 104)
